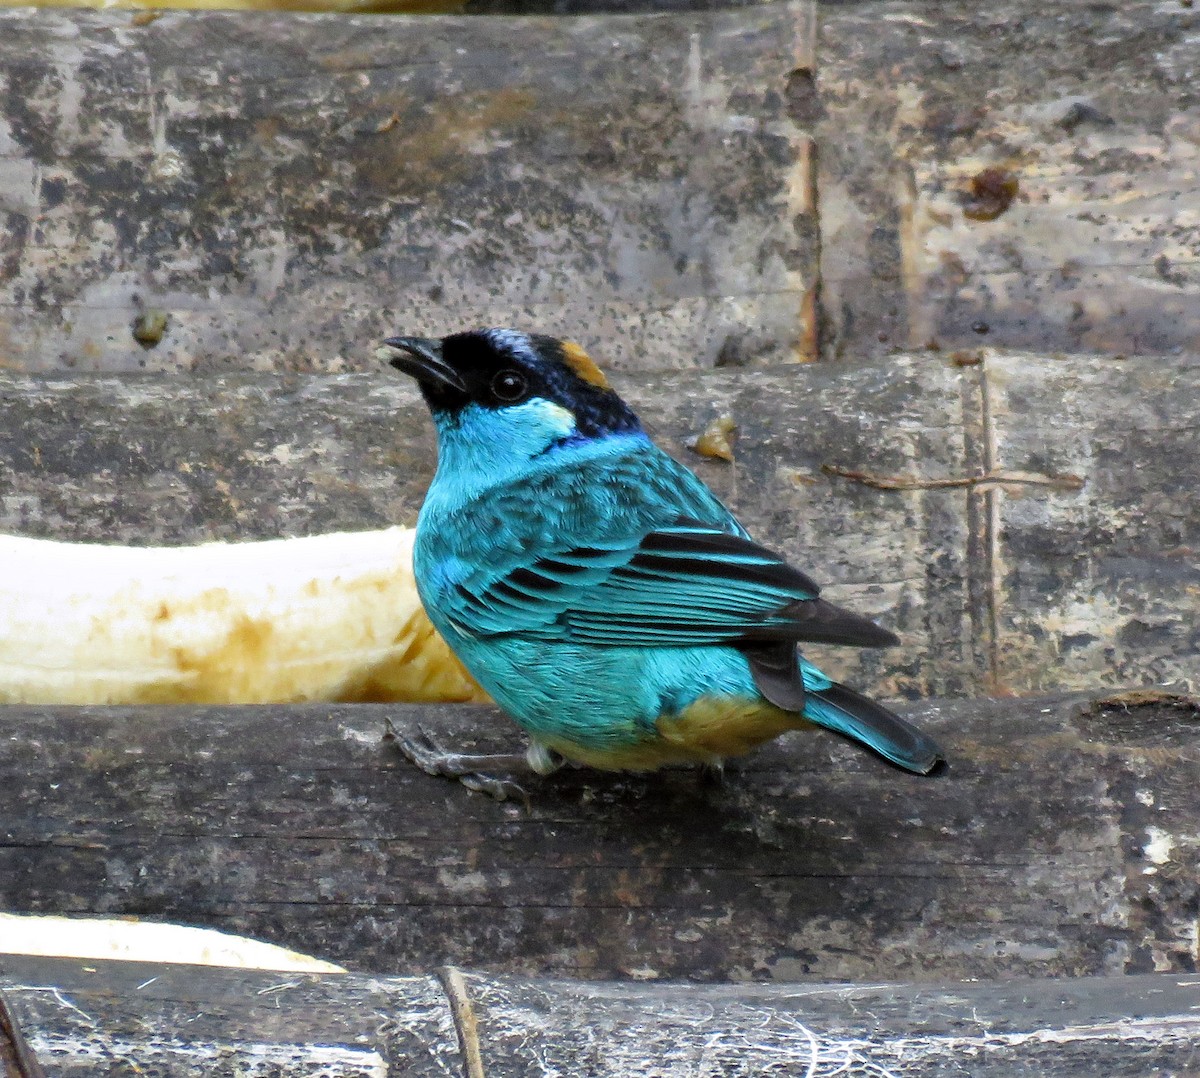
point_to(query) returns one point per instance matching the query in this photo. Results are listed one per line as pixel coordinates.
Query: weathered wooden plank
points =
(1025, 523)
(16, 1057)
(1090, 108)
(597, 7)
(139, 460)
(286, 187)
(1138, 1027)
(1062, 841)
(112, 1017)
(448, 170)
(120, 1018)
(1098, 585)
(420, 7)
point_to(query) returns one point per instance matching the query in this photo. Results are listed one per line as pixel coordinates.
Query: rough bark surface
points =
(932, 112)
(115, 1018)
(1025, 523)
(286, 189)
(1062, 841)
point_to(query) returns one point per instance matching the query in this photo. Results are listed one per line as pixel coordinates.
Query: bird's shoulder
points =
(597, 494)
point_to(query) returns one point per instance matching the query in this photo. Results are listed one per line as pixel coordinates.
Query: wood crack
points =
(991, 539)
(985, 489)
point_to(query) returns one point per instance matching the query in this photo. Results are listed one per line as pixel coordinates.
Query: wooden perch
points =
(189, 1022)
(1062, 841)
(1012, 552)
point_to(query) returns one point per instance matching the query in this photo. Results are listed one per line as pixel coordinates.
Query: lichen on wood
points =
(189, 1023)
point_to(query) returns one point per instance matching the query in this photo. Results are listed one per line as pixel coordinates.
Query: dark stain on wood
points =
(1090, 108)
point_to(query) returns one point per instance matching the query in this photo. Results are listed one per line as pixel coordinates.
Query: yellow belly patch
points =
(705, 733)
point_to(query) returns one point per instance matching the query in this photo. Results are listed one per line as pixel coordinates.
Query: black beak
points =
(421, 357)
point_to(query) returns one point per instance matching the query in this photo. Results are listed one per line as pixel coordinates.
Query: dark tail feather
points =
(815, 621)
(777, 674)
(861, 719)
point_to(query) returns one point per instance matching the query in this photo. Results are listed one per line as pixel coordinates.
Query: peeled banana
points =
(125, 939)
(334, 617)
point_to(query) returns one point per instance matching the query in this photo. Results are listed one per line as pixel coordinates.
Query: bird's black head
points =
(502, 369)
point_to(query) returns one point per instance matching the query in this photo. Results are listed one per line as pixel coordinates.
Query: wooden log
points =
(1084, 236)
(1104, 577)
(188, 1022)
(407, 184)
(283, 187)
(116, 1018)
(1017, 520)
(1062, 841)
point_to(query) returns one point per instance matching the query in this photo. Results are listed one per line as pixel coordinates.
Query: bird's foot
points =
(474, 772)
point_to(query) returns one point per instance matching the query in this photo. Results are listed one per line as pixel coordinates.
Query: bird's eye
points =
(509, 386)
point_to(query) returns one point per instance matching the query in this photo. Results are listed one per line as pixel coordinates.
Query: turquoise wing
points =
(689, 584)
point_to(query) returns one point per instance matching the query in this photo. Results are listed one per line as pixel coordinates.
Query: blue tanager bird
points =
(598, 590)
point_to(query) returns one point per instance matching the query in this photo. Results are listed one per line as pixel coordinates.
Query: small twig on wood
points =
(461, 1007)
(16, 1056)
(1163, 697)
(970, 482)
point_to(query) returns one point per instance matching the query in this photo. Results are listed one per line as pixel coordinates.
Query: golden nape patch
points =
(583, 365)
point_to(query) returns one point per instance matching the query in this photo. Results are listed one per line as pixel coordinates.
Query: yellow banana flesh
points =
(332, 618)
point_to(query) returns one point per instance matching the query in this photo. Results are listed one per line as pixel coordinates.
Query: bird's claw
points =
(431, 758)
(712, 774)
(497, 788)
